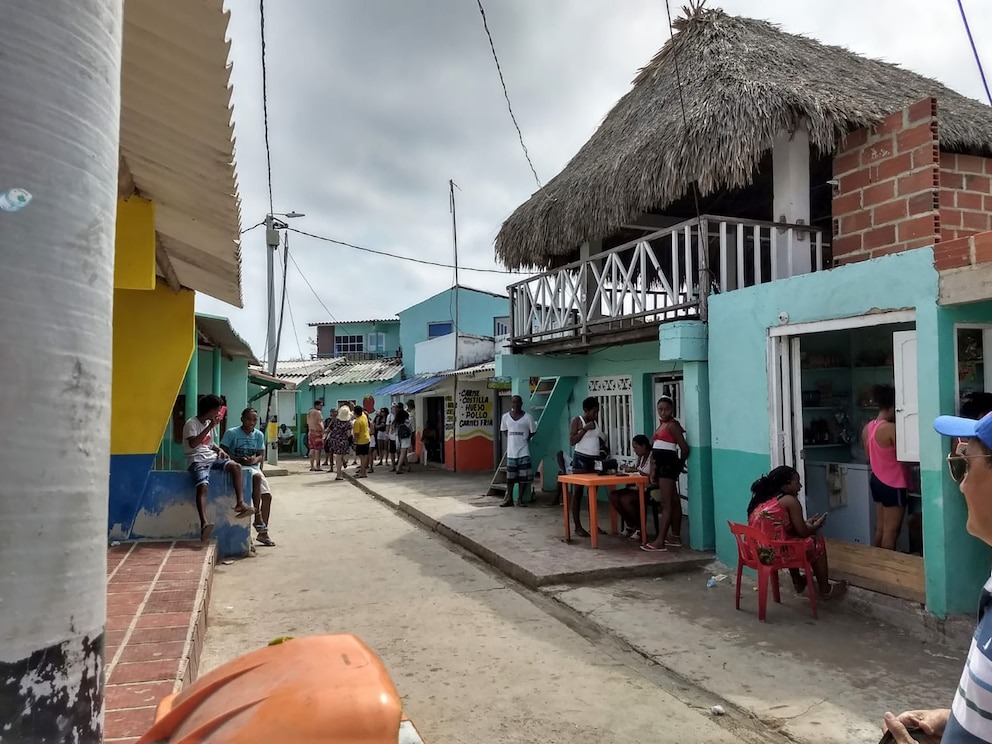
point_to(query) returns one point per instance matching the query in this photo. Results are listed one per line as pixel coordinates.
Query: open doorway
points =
(434, 433)
(824, 378)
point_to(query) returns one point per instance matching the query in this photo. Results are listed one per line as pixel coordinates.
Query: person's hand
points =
(930, 722)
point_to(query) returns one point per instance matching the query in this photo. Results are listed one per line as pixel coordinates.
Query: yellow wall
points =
(154, 333)
(134, 249)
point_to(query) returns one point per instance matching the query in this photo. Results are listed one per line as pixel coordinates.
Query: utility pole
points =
(61, 98)
(454, 240)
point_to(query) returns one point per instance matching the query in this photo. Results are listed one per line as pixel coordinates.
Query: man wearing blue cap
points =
(969, 718)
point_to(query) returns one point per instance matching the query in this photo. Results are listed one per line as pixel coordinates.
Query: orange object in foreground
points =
(315, 690)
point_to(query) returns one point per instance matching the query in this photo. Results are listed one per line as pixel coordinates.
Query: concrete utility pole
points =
(60, 99)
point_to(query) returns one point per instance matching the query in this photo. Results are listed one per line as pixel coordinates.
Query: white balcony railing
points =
(664, 276)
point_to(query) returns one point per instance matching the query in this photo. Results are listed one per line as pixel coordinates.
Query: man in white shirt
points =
(202, 456)
(517, 428)
(391, 435)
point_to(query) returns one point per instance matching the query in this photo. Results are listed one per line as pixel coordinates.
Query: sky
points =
(375, 104)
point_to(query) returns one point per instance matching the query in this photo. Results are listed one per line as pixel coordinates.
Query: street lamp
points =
(272, 228)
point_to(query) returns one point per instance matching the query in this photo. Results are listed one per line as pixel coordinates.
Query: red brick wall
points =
(969, 250)
(965, 195)
(888, 196)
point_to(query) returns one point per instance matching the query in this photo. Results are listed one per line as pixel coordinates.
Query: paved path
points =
(476, 657)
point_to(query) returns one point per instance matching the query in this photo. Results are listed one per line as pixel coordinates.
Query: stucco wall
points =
(476, 311)
(739, 321)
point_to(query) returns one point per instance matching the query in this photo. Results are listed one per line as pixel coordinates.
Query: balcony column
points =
(790, 176)
(590, 285)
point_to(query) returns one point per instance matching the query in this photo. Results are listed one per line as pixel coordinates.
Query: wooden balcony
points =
(622, 295)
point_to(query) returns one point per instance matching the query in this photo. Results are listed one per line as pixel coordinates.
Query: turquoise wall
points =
(234, 385)
(476, 311)
(956, 565)
(333, 393)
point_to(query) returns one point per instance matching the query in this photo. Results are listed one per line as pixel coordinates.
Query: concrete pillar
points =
(695, 387)
(217, 371)
(61, 72)
(191, 388)
(791, 183)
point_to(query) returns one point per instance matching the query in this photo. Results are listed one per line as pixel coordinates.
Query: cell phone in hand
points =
(914, 734)
(221, 413)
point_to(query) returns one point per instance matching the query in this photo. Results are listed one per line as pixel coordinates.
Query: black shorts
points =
(584, 463)
(392, 446)
(667, 465)
(886, 495)
(361, 449)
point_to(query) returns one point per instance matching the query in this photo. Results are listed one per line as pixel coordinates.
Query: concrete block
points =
(683, 341)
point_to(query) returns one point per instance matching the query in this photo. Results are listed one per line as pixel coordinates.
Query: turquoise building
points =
(768, 281)
(358, 340)
(480, 313)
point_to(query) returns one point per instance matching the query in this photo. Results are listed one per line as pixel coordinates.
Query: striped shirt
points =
(971, 713)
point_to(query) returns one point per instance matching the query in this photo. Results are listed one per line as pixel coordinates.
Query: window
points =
(441, 328)
(377, 343)
(348, 344)
(616, 412)
(501, 326)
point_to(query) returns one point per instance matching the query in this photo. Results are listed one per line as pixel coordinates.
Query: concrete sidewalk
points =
(526, 544)
(826, 680)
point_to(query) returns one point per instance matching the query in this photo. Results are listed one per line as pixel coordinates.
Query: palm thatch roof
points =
(743, 81)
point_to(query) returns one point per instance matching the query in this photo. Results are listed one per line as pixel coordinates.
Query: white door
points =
(785, 405)
(672, 386)
(907, 396)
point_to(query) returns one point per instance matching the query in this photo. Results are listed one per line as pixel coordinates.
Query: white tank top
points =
(589, 444)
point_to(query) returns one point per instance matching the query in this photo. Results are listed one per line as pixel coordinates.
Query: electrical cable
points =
(265, 104)
(287, 305)
(974, 50)
(506, 95)
(304, 277)
(282, 308)
(401, 258)
(249, 229)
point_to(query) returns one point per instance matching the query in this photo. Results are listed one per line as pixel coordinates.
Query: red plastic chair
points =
(787, 554)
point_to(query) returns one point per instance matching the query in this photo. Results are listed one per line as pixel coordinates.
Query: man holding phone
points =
(969, 719)
(202, 456)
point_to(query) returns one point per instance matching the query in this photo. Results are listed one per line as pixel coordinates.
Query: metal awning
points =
(409, 387)
(219, 332)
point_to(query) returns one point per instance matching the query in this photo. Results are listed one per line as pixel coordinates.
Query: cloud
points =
(375, 104)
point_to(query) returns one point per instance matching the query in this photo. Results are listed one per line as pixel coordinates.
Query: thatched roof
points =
(743, 82)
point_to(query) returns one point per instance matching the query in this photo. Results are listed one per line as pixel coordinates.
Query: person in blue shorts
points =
(245, 445)
(202, 456)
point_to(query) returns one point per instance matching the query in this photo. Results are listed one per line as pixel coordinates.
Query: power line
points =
(287, 305)
(265, 104)
(506, 95)
(304, 277)
(974, 50)
(249, 229)
(401, 258)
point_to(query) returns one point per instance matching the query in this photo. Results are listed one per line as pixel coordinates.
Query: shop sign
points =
(500, 383)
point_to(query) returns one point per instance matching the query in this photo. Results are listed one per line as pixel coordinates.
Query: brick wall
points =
(970, 250)
(965, 195)
(888, 194)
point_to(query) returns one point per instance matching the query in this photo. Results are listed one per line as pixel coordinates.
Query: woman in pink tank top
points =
(890, 479)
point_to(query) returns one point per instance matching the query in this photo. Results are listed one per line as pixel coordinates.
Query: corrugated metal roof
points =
(353, 322)
(354, 373)
(217, 331)
(475, 369)
(411, 386)
(260, 376)
(177, 139)
(301, 369)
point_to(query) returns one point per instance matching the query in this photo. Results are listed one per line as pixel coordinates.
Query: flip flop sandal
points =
(242, 512)
(671, 544)
(265, 540)
(649, 548)
(206, 531)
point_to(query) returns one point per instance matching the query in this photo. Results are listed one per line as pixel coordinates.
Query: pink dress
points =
(773, 520)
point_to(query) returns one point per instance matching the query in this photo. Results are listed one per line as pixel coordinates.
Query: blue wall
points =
(740, 419)
(390, 328)
(476, 311)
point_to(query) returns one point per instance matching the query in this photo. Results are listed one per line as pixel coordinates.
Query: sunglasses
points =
(957, 464)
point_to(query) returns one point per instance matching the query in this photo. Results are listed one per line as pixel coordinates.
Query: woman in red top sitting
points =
(669, 452)
(775, 510)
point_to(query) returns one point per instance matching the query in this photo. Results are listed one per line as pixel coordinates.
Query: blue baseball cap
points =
(965, 428)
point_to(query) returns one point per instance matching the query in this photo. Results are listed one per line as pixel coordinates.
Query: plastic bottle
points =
(14, 199)
(711, 582)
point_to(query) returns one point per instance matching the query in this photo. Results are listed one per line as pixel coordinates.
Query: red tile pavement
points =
(157, 597)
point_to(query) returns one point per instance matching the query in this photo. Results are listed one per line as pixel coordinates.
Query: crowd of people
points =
(369, 439)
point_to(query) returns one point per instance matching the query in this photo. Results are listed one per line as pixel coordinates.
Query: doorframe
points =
(785, 380)
(986, 329)
(658, 381)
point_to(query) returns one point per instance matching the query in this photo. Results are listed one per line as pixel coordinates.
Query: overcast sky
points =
(375, 104)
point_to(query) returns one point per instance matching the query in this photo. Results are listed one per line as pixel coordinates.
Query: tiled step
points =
(157, 599)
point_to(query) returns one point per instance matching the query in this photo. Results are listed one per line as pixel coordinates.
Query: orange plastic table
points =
(592, 481)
